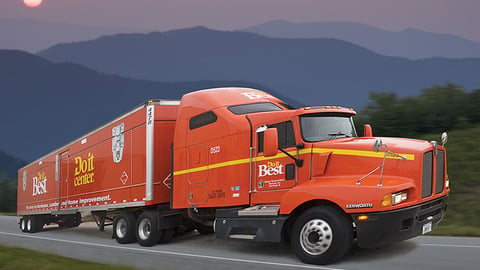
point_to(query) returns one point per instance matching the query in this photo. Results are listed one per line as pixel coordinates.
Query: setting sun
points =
(32, 3)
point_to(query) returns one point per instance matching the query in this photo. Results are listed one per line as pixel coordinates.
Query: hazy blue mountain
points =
(9, 166)
(33, 36)
(45, 105)
(410, 43)
(312, 71)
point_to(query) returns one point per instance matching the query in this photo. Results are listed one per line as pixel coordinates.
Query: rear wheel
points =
(321, 235)
(147, 233)
(23, 224)
(33, 224)
(124, 228)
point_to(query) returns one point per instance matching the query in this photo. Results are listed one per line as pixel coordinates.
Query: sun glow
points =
(32, 3)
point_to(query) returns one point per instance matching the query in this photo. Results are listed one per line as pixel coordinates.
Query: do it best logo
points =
(84, 170)
(270, 169)
(39, 184)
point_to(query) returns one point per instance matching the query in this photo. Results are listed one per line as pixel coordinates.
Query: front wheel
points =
(321, 235)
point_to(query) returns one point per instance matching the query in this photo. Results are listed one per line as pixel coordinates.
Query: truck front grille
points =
(440, 172)
(427, 174)
(429, 159)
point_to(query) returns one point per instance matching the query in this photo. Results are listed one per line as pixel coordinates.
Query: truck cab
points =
(257, 169)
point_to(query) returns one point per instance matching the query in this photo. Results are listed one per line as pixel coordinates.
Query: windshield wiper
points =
(337, 134)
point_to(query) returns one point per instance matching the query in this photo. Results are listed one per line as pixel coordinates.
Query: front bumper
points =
(392, 226)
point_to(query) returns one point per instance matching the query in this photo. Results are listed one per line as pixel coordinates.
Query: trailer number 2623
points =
(215, 149)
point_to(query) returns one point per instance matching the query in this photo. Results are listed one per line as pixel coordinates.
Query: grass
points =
(19, 259)
(456, 230)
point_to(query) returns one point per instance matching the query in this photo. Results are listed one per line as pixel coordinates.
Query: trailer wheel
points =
(321, 235)
(33, 224)
(147, 233)
(124, 228)
(23, 224)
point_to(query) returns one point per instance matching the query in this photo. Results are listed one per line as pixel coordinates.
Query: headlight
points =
(399, 197)
(394, 198)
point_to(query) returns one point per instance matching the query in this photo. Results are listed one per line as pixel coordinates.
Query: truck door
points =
(62, 178)
(197, 175)
(276, 172)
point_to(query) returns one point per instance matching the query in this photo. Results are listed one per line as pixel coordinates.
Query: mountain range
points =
(44, 105)
(409, 43)
(311, 71)
(46, 100)
(33, 36)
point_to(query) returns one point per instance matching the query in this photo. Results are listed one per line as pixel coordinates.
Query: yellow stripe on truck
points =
(361, 153)
(345, 152)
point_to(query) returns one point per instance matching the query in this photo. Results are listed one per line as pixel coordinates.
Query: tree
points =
(8, 195)
(472, 107)
(436, 109)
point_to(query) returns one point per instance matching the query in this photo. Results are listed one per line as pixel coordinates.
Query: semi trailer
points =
(242, 164)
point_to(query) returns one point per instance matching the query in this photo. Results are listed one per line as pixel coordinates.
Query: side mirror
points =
(367, 131)
(270, 142)
(377, 145)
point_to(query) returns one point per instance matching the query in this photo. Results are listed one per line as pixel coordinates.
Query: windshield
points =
(322, 127)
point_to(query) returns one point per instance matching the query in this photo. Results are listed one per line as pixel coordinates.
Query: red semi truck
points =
(242, 164)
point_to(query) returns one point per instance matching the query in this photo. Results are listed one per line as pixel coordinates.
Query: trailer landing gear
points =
(100, 218)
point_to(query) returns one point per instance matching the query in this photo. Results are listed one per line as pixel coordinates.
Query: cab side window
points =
(286, 135)
(202, 120)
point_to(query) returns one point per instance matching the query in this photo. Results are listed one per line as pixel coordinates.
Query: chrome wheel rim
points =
(121, 228)
(22, 224)
(29, 225)
(144, 229)
(316, 237)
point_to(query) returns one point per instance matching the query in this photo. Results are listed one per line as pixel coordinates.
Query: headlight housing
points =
(392, 199)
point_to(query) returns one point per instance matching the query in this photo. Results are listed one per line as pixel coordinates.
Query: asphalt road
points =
(194, 251)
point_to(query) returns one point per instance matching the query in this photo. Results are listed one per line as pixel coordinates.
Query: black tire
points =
(23, 224)
(321, 235)
(124, 226)
(204, 229)
(33, 224)
(147, 233)
(167, 235)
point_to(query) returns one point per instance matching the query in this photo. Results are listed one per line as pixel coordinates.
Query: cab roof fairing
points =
(210, 99)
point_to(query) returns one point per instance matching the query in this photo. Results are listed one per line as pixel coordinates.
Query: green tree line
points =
(437, 109)
(8, 195)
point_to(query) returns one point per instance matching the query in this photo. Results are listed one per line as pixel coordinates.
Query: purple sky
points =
(458, 17)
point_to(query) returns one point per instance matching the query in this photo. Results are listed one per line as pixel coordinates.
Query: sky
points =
(457, 17)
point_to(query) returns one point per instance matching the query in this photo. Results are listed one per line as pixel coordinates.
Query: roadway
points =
(194, 251)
